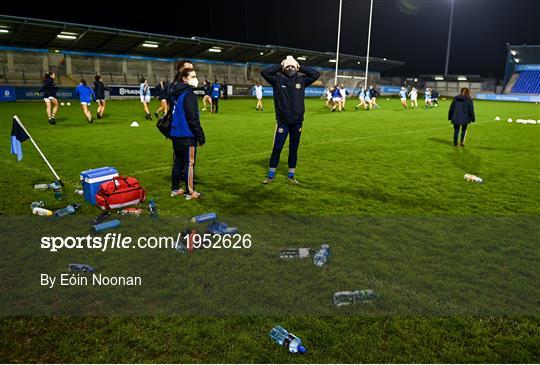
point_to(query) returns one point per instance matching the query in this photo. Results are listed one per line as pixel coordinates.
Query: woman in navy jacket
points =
(186, 133)
(461, 113)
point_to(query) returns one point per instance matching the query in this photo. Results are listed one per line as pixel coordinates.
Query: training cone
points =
(134, 124)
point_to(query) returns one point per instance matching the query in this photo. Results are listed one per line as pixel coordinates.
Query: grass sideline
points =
(387, 163)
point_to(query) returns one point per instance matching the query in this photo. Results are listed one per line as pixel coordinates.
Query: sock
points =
(271, 172)
(291, 173)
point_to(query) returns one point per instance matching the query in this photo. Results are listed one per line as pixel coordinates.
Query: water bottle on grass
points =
(358, 296)
(284, 338)
(322, 256)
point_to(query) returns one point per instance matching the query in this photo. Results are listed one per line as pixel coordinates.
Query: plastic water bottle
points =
(37, 204)
(57, 188)
(284, 338)
(43, 186)
(208, 217)
(152, 208)
(42, 211)
(70, 209)
(106, 225)
(351, 297)
(100, 218)
(473, 178)
(291, 253)
(79, 192)
(131, 211)
(81, 268)
(322, 256)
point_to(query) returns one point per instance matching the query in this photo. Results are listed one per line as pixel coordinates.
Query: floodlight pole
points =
(368, 44)
(449, 38)
(338, 37)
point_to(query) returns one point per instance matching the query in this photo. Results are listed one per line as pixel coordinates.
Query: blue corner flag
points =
(18, 135)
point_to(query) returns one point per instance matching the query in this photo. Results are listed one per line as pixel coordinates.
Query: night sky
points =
(413, 31)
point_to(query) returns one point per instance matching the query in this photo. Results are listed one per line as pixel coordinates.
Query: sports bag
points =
(120, 192)
(164, 124)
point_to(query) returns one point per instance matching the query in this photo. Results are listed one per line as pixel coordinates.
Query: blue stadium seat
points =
(528, 82)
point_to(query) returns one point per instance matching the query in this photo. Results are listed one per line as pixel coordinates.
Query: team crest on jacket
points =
(298, 86)
(280, 130)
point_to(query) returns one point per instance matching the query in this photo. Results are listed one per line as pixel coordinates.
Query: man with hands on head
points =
(288, 81)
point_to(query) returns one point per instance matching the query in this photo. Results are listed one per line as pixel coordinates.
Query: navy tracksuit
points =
(289, 93)
(186, 133)
(461, 114)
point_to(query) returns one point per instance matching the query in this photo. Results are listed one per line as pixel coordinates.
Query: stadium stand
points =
(527, 82)
(522, 70)
(76, 51)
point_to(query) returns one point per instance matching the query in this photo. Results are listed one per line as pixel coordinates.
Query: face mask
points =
(289, 72)
(193, 82)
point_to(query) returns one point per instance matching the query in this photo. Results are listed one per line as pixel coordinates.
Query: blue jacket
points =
(185, 123)
(461, 111)
(289, 92)
(215, 92)
(86, 95)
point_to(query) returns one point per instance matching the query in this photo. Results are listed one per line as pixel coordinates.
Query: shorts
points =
(49, 98)
(145, 98)
(335, 100)
(259, 97)
(414, 99)
(403, 99)
(165, 100)
(87, 103)
(99, 100)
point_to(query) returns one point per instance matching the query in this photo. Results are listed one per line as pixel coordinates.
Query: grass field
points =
(455, 263)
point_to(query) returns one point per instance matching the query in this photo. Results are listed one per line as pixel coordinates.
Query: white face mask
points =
(193, 82)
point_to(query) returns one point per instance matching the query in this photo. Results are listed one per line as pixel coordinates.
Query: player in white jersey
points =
(413, 94)
(427, 97)
(259, 96)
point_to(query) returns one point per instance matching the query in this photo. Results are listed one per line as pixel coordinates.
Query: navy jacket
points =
(48, 88)
(185, 125)
(461, 110)
(162, 92)
(99, 90)
(289, 92)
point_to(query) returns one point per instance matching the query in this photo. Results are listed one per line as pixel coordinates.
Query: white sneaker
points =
(177, 192)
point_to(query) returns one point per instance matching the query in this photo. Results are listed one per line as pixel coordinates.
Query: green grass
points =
(455, 263)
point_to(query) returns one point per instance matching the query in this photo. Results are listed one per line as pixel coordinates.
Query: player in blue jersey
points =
(403, 96)
(86, 95)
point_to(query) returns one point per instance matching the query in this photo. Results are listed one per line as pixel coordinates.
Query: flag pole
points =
(38, 149)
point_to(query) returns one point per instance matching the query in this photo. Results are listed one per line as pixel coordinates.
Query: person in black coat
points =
(49, 89)
(289, 81)
(461, 113)
(99, 91)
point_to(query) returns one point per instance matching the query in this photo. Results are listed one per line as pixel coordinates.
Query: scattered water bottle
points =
(100, 218)
(81, 268)
(106, 225)
(152, 208)
(42, 212)
(37, 204)
(284, 338)
(322, 256)
(351, 297)
(291, 253)
(131, 211)
(57, 188)
(79, 192)
(43, 186)
(204, 218)
(473, 178)
(70, 209)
